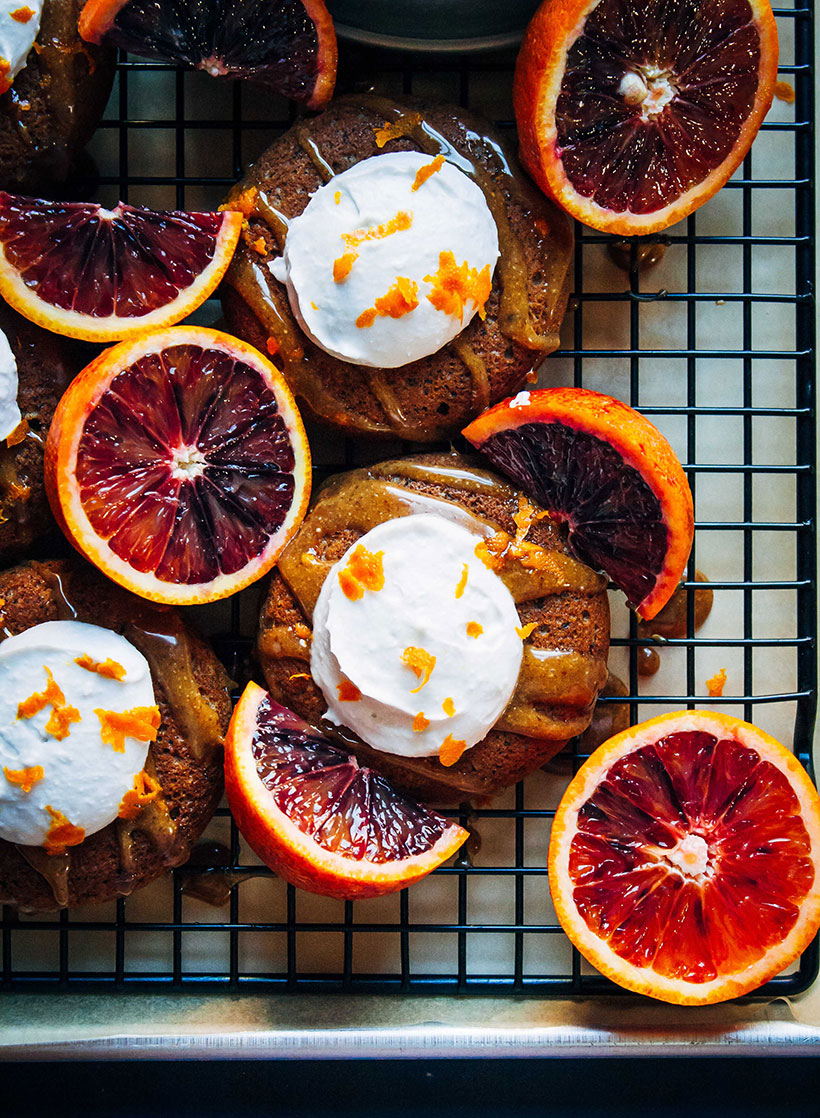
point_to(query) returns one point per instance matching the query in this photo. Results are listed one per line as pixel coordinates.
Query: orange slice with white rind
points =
(106, 275)
(609, 473)
(684, 857)
(179, 465)
(630, 116)
(319, 819)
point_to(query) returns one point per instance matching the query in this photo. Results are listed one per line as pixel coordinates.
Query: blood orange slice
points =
(178, 464)
(684, 858)
(609, 473)
(287, 45)
(632, 115)
(106, 275)
(319, 819)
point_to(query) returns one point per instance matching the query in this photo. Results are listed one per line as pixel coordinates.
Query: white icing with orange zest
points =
(409, 645)
(19, 25)
(9, 411)
(383, 227)
(48, 726)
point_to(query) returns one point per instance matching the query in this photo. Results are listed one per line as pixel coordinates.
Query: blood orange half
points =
(631, 115)
(178, 464)
(319, 819)
(607, 472)
(684, 858)
(107, 275)
(287, 45)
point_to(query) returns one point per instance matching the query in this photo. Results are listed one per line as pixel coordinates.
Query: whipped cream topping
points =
(19, 25)
(9, 411)
(415, 645)
(390, 260)
(55, 768)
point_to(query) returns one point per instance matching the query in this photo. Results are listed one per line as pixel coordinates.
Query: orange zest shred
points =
(525, 630)
(525, 518)
(450, 751)
(449, 707)
(259, 246)
(453, 285)
(395, 129)
(61, 833)
(337, 197)
(5, 68)
(60, 720)
(141, 723)
(784, 91)
(61, 715)
(716, 683)
(399, 300)
(25, 779)
(397, 224)
(299, 675)
(424, 173)
(421, 663)
(18, 434)
(474, 629)
(272, 346)
(22, 15)
(462, 582)
(145, 789)
(364, 571)
(342, 266)
(245, 202)
(420, 722)
(108, 667)
(531, 377)
(348, 692)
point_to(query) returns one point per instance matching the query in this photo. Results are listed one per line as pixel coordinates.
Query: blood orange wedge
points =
(319, 819)
(632, 115)
(106, 275)
(684, 858)
(178, 464)
(287, 45)
(609, 473)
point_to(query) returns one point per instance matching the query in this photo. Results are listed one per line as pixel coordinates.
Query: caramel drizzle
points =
(556, 690)
(264, 297)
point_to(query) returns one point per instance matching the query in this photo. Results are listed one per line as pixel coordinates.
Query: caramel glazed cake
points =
(564, 662)
(190, 690)
(431, 398)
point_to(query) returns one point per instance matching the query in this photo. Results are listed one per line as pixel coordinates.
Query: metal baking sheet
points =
(716, 344)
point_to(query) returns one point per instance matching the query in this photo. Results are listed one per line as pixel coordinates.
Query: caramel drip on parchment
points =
(267, 300)
(556, 690)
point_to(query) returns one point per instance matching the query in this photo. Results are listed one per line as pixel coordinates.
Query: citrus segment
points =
(631, 117)
(606, 471)
(178, 464)
(319, 819)
(104, 275)
(684, 855)
(287, 45)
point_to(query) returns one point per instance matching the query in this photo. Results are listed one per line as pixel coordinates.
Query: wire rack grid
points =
(716, 344)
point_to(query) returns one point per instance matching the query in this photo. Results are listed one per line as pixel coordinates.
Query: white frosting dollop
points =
(83, 778)
(397, 234)
(436, 594)
(9, 411)
(19, 25)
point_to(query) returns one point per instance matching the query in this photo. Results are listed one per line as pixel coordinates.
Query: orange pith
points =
(154, 287)
(542, 87)
(684, 858)
(335, 860)
(632, 444)
(189, 492)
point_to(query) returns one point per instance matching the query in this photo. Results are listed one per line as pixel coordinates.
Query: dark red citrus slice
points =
(684, 855)
(287, 45)
(105, 275)
(632, 114)
(318, 818)
(607, 472)
(178, 463)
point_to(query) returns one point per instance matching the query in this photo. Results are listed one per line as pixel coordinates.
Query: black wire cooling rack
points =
(717, 344)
